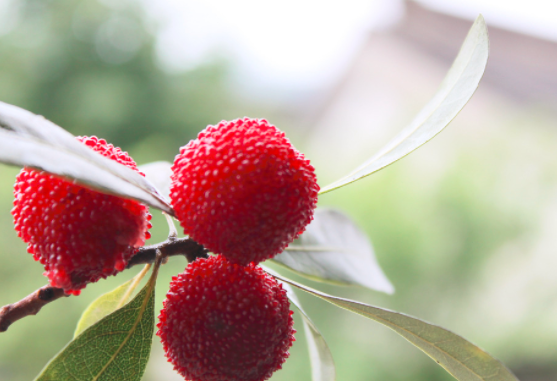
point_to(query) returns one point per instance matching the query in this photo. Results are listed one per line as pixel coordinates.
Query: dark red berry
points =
(225, 322)
(242, 190)
(78, 234)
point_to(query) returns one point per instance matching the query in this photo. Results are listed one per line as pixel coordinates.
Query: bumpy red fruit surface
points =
(242, 190)
(225, 322)
(78, 234)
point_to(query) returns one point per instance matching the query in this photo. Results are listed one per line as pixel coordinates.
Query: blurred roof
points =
(521, 66)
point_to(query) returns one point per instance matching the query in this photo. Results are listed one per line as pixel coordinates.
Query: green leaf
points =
(456, 89)
(322, 363)
(459, 357)
(333, 249)
(115, 348)
(109, 302)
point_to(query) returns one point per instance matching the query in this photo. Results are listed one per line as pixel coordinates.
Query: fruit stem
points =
(172, 232)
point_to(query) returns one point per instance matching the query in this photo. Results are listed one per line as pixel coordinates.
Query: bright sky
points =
(298, 45)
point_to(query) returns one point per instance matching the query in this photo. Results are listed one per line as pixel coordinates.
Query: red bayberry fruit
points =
(78, 234)
(242, 190)
(225, 322)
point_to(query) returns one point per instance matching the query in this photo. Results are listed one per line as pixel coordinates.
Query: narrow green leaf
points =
(456, 89)
(459, 357)
(30, 140)
(321, 359)
(115, 348)
(109, 302)
(333, 249)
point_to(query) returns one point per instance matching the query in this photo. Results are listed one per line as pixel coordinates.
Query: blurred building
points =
(507, 129)
(402, 60)
(399, 69)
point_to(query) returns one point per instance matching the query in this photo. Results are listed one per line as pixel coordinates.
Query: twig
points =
(173, 246)
(32, 304)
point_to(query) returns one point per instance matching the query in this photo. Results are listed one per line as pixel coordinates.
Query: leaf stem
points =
(133, 286)
(172, 232)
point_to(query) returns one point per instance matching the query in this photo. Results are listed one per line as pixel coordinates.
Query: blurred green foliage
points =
(452, 241)
(91, 67)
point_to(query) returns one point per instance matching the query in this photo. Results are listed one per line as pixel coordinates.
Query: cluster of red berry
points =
(240, 189)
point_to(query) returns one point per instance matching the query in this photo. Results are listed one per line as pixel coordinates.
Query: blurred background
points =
(465, 228)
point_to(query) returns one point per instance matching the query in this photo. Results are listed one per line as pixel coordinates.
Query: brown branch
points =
(173, 246)
(32, 304)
